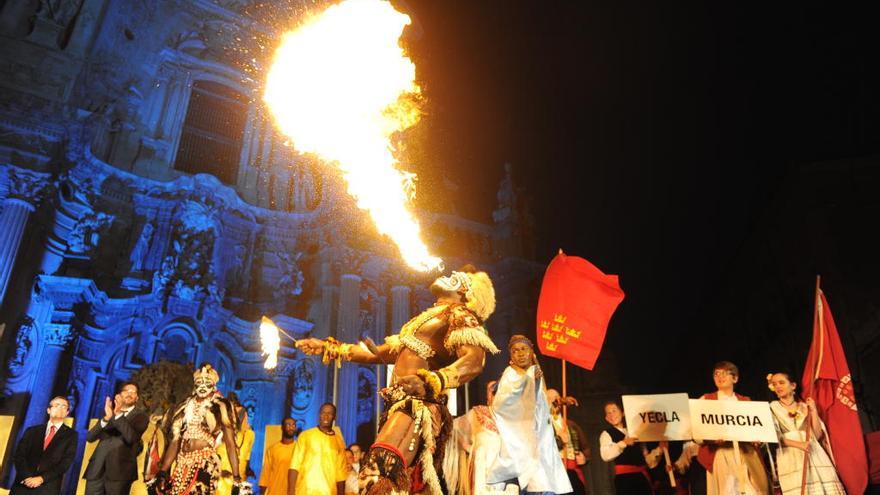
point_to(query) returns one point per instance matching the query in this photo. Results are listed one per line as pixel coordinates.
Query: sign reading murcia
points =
(652, 418)
(745, 421)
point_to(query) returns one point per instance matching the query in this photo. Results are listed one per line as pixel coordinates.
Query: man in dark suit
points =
(44, 453)
(113, 466)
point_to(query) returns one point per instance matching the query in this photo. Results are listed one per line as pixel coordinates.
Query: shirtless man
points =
(442, 348)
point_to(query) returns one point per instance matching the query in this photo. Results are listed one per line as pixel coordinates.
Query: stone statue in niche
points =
(366, 395)
(304, 192)
(187, 271)
(303, 386)
(141, 248)
(23, 345)
(506, 198)
(85, 235)
(61, 12)
(290, 285)
(238, 270)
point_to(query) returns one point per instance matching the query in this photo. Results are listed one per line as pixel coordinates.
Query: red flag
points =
(828, 381)
(575, 306)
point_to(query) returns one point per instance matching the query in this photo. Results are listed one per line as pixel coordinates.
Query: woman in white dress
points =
(792, 418)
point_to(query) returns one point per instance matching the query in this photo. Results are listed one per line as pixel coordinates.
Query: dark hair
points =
(328, 404)
(614, 402)
(127, 383)
(728, 367)
(290, 418)
(611, 402)
(65, 399)
(468, 268)
(797, 395)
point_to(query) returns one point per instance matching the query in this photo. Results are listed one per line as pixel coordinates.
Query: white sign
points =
(745, 421)
(652, 418)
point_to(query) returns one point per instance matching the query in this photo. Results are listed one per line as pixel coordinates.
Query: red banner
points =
(828, 381)
(576, 304)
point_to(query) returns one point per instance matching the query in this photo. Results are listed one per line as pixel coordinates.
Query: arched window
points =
(213, 131)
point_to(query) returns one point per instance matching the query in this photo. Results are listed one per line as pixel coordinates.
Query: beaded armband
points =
(335, 350)
(432, 380)
(450, 378)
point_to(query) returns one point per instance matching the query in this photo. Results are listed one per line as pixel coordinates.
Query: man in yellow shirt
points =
(273, 479)
(318, 463)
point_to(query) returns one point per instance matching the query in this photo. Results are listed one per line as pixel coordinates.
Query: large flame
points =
(270, 341)
(339, 87)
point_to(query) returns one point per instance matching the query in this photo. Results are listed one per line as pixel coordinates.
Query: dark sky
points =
(647, 135)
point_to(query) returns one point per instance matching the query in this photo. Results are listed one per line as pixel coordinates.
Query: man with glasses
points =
(718, 456)
(44, 453)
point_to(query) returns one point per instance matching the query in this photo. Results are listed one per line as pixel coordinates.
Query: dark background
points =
(716, 156)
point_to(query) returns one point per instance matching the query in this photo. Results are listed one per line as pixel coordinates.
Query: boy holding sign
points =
(728, 473)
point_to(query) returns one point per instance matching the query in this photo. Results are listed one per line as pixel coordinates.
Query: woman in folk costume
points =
(196, 424)
(441, 348)
(724, 476)
(473, 447)
(631, 461)
(522, 413)
(792, 418)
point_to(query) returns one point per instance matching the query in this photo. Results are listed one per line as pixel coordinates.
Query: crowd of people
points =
(520, 441)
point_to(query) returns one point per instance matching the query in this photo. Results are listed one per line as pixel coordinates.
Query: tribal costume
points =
(528, 453)
(429, 413)
(439, 349)
(196, 424)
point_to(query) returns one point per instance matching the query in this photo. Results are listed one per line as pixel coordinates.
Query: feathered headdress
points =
(480, 295)
(207, 371)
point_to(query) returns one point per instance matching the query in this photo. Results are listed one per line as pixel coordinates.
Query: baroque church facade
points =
(149, 212)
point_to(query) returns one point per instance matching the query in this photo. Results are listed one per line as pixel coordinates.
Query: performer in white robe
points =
(522, 415)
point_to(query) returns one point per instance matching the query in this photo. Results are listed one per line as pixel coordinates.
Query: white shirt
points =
(50, 425)
(122, 413)
(610, 450)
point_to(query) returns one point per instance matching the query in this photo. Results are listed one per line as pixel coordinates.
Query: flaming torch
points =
(340, 86)
(270, 340)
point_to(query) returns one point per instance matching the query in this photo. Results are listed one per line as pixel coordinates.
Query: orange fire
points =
(340, 86)
(270, 342)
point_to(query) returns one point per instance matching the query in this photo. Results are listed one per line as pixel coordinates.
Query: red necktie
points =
(49, 437)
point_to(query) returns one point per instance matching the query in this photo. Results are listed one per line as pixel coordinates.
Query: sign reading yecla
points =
(744, 421)
(652, 418)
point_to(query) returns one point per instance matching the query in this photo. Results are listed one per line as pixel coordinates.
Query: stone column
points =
(400, 307)
(380, 314)
(55, 338)
(25, 188)
(347, 378)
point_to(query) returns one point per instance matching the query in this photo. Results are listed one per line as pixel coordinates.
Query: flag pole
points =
(564, 395)
(817, 324)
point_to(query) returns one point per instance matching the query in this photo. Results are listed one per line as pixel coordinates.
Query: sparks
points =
(340, 86)
(270, 340)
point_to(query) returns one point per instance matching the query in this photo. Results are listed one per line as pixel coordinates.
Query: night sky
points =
(648, 136)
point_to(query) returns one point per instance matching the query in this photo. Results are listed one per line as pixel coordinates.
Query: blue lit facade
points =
(128, 235)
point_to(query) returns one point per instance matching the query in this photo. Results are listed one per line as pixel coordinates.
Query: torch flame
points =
(340, 86)
(270, 340)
